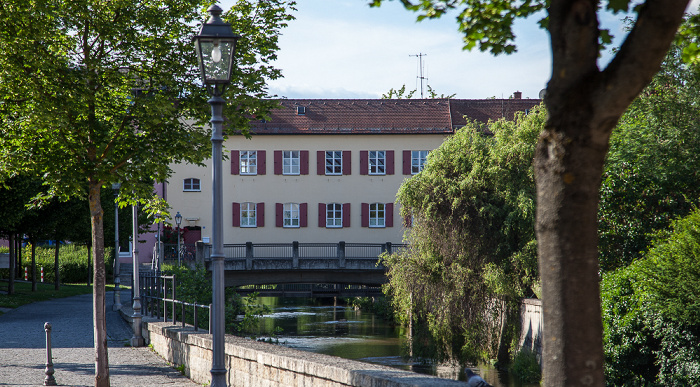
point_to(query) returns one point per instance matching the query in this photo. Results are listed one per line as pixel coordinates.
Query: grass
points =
(45, 291)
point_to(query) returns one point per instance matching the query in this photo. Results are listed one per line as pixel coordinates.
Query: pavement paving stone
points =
(23, 347)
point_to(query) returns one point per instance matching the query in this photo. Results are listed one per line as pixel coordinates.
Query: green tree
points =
(472, 253)
(651, 173)
(584, 103)
(97, 92)
(651, 311)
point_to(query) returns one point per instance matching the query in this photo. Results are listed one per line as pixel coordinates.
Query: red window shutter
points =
(347, 162)
(236, 214)
(407, 162)
(389, 215)
(346, 214)
(278, 162)
(262, 162)
(364, 162)
(260, 214)
(235, 162)
(389, 162)
(304, 161)
(365, 215)
(303, 219)
(321, 214)
(320, 162)
(279, 214)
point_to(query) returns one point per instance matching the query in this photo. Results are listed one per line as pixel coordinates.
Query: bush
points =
(525, 367)
(651, 310)
(72, 261)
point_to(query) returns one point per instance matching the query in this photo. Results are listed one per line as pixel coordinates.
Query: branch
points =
(640, 56)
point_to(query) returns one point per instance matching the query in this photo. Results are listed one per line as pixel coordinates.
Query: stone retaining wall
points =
(252, 363)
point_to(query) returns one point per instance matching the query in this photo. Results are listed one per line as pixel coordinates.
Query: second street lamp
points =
(215, 45)
(178, 221)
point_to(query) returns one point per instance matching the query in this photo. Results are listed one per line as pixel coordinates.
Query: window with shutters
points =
(191, 184)
(248, 215)
(290, 215)
(334, 162)
(377, 163)
(249, 162)
(376, 215)
(290, 163)
(334, 215)
(418, 161)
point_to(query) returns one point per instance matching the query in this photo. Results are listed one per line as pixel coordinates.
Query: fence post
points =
(388, 248)
(173, 303)
(341, 254)
(295, 254)
(249, 255)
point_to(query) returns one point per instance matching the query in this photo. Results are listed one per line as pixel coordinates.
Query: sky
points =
(345, 49)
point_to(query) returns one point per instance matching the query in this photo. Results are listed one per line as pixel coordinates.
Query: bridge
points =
(252, 266)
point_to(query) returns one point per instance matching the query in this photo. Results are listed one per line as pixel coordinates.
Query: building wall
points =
(355, 189)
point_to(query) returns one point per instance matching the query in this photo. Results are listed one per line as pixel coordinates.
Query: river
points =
(316, 326)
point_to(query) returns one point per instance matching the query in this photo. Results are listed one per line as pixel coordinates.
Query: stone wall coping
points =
(330, 368)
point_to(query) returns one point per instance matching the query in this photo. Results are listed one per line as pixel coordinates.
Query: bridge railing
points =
(295, 251)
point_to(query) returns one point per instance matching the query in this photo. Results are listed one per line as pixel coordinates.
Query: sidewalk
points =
(23, 347)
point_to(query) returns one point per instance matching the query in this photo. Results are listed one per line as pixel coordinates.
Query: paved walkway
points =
(23, 347)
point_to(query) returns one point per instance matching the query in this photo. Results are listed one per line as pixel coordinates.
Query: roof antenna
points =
(420, 71)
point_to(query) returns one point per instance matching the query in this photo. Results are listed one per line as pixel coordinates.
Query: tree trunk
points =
(11, 283)
(33, 265)
(99, 280)
(584, 105)
(57, 278)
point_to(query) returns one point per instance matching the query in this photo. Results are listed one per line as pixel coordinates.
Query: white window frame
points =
(334, 215)
(188, 185)
(334, 163)
(291, 162)
(377, 215)
(418, 161)
(249, 214)
(290, 215)
(249, 162)
(377, 162)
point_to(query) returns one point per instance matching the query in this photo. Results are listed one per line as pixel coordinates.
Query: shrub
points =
(72, 261)
(525, 367)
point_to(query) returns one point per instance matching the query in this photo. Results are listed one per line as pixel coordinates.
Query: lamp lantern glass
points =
(178, 219)
(215, 45)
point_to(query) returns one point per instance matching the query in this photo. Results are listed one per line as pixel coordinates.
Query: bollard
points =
(42, 274)
(49, 380)
(25, 274)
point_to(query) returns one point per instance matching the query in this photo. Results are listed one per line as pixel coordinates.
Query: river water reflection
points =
(318, 326)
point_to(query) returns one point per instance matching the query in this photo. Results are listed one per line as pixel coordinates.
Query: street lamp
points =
(215, 45)
(178, 221)
(137, 340)
(117, 280)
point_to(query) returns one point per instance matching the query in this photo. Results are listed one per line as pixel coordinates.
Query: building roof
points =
(384, 116)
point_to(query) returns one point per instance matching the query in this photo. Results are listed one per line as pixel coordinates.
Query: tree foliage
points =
(95, 92)
(651, 311)
(584, 103)
(651, 174)
(472, 252)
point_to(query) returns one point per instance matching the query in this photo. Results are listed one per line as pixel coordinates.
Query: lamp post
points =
(117, 280)
(136, 340)
(215, 45)
(178, 221)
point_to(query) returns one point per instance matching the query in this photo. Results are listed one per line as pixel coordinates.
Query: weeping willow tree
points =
(472, 253)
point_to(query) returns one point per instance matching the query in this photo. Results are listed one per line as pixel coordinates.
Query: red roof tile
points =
(383, 116)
